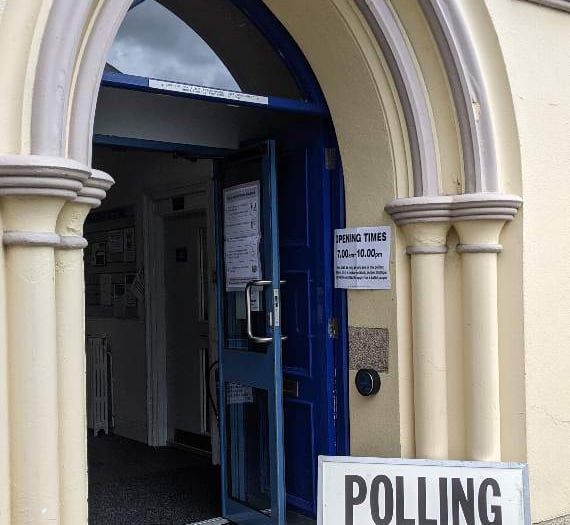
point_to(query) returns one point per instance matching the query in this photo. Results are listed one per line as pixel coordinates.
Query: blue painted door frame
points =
(314, 369)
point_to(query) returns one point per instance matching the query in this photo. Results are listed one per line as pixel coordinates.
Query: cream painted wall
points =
(376, 169)
(135, 172)
(538, 66)
(528, 91)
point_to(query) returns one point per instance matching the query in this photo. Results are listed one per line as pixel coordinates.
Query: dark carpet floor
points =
(132, 484)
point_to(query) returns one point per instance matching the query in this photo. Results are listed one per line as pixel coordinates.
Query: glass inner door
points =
(249, 332)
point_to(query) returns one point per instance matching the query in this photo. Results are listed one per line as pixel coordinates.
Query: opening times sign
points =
(362, 258)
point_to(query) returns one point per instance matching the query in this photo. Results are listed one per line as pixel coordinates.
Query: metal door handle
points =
(255, 338)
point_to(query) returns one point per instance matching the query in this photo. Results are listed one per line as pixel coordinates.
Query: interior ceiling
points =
(251, 60)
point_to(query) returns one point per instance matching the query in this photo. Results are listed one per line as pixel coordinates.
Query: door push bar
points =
(248, 287)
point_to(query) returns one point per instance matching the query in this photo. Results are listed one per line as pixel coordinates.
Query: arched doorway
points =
(181, 137)
(388, 94)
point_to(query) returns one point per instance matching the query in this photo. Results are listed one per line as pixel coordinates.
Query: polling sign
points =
(374, 491)
(362, 258)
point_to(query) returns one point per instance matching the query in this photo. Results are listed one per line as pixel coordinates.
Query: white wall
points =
(135, 172)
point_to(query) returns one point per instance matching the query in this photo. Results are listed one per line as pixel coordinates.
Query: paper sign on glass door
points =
(242, 236)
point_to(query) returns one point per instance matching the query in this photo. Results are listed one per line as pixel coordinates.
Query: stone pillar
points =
(479, 248)
(33, 191)
(478, 219)
(427, 248)
(71, 369)
(4, 406)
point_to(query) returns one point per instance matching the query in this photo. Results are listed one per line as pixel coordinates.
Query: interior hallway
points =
(131, 483)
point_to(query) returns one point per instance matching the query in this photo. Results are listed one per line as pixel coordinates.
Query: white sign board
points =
(362, 258)
(242, 235)
(374, 491)
(190, 89)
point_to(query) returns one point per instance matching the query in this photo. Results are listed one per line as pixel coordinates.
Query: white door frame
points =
(154, 206)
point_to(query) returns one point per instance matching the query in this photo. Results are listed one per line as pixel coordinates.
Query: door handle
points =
(248, 287)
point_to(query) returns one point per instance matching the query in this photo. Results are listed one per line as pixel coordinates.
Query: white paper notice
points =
(362, 258)
(242, 262)
(242, 235)
(241, 211)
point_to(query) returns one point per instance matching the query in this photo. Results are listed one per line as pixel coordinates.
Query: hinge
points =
(330, 158)
(333, 328)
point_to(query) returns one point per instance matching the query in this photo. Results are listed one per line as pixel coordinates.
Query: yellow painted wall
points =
(535, 42)
(369, 129)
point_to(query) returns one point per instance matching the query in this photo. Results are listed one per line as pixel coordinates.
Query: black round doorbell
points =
(367, 382)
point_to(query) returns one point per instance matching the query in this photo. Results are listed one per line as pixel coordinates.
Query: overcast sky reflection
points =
(153, 42)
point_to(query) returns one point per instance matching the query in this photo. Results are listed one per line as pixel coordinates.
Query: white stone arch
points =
(78, 36)
(65, 61)
(72, 57)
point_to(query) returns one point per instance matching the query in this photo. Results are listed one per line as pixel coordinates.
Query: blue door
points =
(249, 332)
(305, 229)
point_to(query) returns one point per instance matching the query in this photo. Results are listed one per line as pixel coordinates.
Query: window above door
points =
(210, 43)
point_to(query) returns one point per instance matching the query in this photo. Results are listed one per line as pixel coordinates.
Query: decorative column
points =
(479, 219)
(4, 406)
(427, 246)
(71, 369)
(33, 190)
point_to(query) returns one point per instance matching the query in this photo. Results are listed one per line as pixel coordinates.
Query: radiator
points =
(98, 375)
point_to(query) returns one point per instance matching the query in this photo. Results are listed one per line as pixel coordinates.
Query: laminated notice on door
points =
(238, 394)
(241, 211)
(242, 262)
(242, 235)
(362, 258)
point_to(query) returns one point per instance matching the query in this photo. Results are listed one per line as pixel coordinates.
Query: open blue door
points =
(249, 338)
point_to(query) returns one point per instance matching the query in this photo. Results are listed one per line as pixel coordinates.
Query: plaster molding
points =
(62, 46)
(390, 36)
(45, 239)
(561, 5)
(479, 248)
(23, 238)
(436, 249)
(469, 93)
(90, 71)
(52, 87)
(72, 242)
(454, 208)
(41, 175)
(95, 189)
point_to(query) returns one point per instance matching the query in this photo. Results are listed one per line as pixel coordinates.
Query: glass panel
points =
(244, 261)
(236, 322)
(247, 424)
(153, 42)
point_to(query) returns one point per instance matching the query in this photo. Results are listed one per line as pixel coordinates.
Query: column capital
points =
(454, 208)
(425, 238)
(74, 212)
(38, 175)
(479, 236)
(95, 189)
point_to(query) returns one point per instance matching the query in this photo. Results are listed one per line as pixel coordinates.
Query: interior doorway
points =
(187, 333)
(158, 268)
